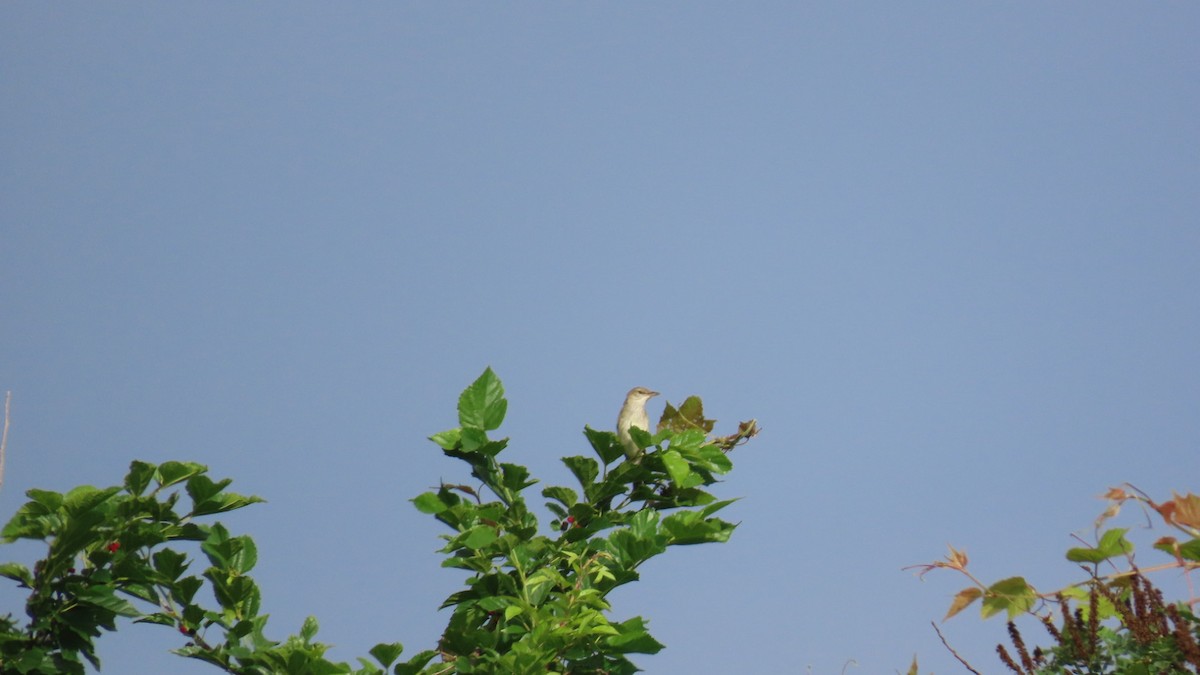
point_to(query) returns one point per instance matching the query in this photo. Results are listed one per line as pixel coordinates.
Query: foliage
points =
(537, 602)
(534, 602)
(1115, 622)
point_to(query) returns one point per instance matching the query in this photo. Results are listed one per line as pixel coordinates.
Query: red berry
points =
(112, 548)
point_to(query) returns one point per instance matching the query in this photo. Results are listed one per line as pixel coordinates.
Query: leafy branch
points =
(534, 601)
(1150, 636)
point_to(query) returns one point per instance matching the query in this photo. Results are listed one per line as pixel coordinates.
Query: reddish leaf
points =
(962, 600)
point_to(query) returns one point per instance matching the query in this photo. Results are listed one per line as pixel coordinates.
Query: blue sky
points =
(946, 253)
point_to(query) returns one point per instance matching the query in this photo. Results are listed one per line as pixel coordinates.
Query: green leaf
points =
(386, 653)
(676, 466)
(170, 473)
(245, 557)
(86, 498)
(643, 438)
(515, 477)
(81, 531)
(447, 440)
(416, 664)
(473, 439)
(585, 469)
(1113, 541)
(690, 527)
(565, 495)
(103, 596)
(160, 618)
(30, 522)
(208, 497)
(239, 595)
(236, 555)
(430, 502)
(632, 637)
(17, 572)
(185, 589)
(139, 476)
(50, 500)
(1013, 595)
(1104, 607)
(201, 488)
(715, 506)
(170, 563)
(605, 444)
(479, 536)
(1112, 544)
(714, 459)
(482, 405)
(1190, 550)
(690, 415)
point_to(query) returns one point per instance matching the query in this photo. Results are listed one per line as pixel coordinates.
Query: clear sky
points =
(947, 254)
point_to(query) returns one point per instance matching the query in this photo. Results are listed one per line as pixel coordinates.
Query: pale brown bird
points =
(633, 414)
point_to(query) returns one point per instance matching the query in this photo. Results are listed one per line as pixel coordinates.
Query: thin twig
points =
(947, 644)
(4, 435)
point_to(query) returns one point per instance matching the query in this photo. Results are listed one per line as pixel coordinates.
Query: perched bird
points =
(633, 414)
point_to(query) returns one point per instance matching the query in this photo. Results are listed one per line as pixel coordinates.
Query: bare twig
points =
(947, 645)
(4, 434)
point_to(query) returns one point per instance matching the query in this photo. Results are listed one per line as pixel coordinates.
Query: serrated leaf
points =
(170, 473)
(46, 498)
(245, 557)
(17, 572)
(386, 653)
(103, 596)
(632, 638)
(585, 469)
(715, 506)
(472, 439)
(480, 536)
(690, 415)
(1112, 544)
(962, 600)
(605, 444)
(689, 527)
(170, 563)
(160, 618)
(139, 477)
(676, 466)
(515, 477)
(1186, 510)
(447, 440)
(201, 487)
(564, 495)
(482, 405)
(416, 664)
(429, 502)
(1013, 595)
(1104, 607)
(86, 498)
(1190, 550)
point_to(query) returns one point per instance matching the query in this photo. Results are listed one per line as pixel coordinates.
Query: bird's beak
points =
(654, 393)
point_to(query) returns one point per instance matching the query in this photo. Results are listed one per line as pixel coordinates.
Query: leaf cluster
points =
(116, 552)
(534, 601)
(1109, 623)
(538, 602)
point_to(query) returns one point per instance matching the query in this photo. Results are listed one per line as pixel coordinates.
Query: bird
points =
(633, 414)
